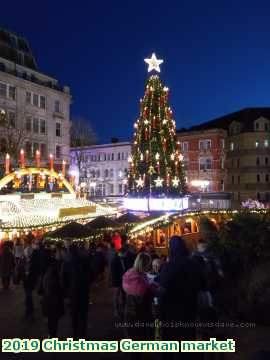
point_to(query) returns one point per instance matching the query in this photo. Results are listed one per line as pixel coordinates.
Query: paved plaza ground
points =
(101, 326)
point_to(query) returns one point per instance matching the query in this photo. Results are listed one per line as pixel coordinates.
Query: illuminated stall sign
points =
(156, 204)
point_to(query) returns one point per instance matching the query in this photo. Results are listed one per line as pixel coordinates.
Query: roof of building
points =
(15, 48)
(245, 116)
(102, 146)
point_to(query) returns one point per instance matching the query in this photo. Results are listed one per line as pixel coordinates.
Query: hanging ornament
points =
(141, 157)
(130, 159)
(164, 122)
(146, 122)
(151, 170)
(172, 156)
(145, 133)
(147, 155)
(180, 157)
(158, 182)
(164, 144)
(158, 167)
(154, 122)
(168, 179)
(139, 182)
(175, 181)
(157, 156)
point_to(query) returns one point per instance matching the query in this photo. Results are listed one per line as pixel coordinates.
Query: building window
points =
(12, 92)
(266, 161)
(222, 143)
(222, 185)
(266, 143)
(232, 162)
(97, 173)
(111, 173)
(258, 196)
(28, 149)
(109, 157)
(36, 147)
(232, 179)
(266, 127)
(12, 119)
(120, 188)
(256, 144)
(112, 156)
(257, 126)
(28, 98)
(104, 156)
(35, 125)
(3, 90)
(204, 144)
(42, 102)
(42, 126)
(106, 173)
(57, 106)
(231, 146)
(222, 162)
(238, 163)
(258, 178)
(58, 151)
(238, 179)
(35, 100)
(111, 189)
(205, 163)
(123, 156)
(43, 151)
(258, 161)
(57, 129)
(119, 156)
(266, 178)
(28, 124)
(185, 146)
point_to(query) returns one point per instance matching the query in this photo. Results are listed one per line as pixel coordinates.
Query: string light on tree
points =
(154, 156)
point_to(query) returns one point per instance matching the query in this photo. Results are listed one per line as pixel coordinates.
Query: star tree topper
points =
(153, 63)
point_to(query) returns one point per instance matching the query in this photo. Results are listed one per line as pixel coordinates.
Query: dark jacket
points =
(76, 280)
(52, 300)
(181, 280)
(31, 270)
(7, 262)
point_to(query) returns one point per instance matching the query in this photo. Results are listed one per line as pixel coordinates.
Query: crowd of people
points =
(177, 289)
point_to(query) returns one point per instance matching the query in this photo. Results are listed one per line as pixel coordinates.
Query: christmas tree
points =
(155, 162)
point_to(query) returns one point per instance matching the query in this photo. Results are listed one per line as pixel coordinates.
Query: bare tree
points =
(82, 135)
(12, 133)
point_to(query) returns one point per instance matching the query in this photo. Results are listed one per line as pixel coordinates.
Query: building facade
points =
(36, 107)
(247, 152)
(103, 168)
(204, 159)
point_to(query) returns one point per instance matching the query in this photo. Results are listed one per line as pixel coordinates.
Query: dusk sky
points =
(216, 55)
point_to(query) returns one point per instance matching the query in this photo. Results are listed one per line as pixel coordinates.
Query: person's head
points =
(202, 245)
(142, 263)
(156, 265)
(177, 249)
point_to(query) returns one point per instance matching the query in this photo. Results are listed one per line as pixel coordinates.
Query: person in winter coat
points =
(30, 276)
(119, 264)
(7, 265)
(117, 241)
(139, 295)
(52, 300)
(76, 280)
(181, 281)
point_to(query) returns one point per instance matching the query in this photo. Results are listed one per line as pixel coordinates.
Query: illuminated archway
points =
(31, 170)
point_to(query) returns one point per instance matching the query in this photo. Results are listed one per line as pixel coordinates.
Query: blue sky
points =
(216, 55)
